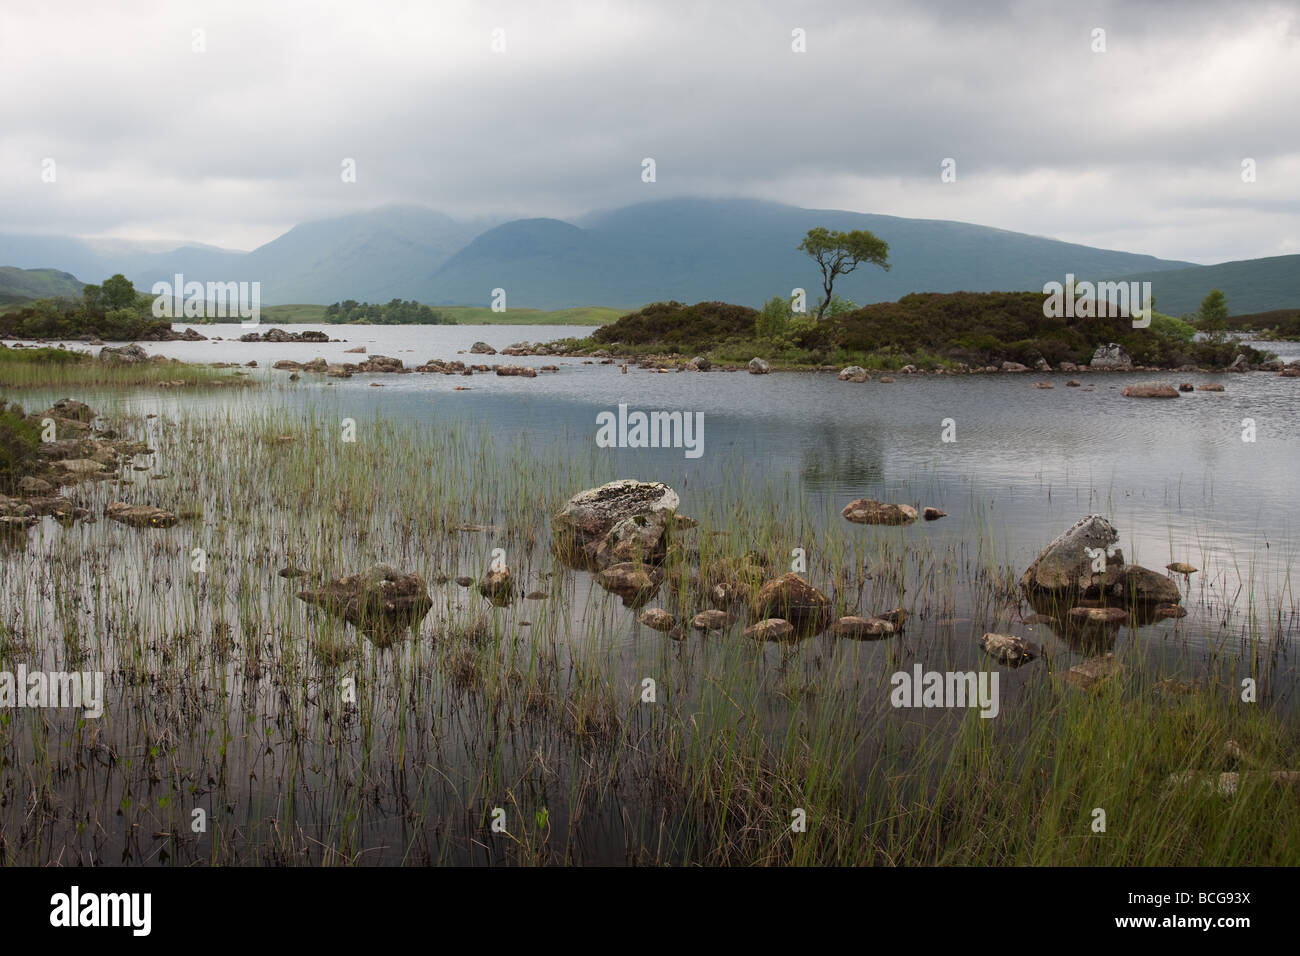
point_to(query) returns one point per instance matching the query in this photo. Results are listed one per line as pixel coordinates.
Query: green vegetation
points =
(458, 315)
(113, 311)
(1280, 324)
(51, 368)
(1212, 317)
(839, 253)
(24, 285)
(537, 708)
(396, 312)
(930, 330)
(19, 439)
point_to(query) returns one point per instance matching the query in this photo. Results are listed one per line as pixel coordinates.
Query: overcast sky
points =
(1138, 148)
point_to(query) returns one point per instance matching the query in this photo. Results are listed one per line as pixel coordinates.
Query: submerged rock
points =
(1095, 671)
(1142, 585)
(1098, 615)
(140, 516)
(770, 629)
(863, 628)
(1009, 649)
(380, 601)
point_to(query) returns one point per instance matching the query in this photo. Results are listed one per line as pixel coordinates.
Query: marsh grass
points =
(305, 743)
(45, 368)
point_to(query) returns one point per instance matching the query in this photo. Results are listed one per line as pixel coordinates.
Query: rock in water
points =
(1181, 567)
(656, 618)
(139, 516)
(854, 373)
(125, 354)
(496, 586)
(1150, 390)
(380, 601)
(793, 599)
(1093, 672)
(1144, 586)
(635, 583)
(933, 514)
(870, 511)
(758, 367)
(710, 621)
(617, 522)
(1009, 649)
(1069, 562)
(1111, 356)
(770, 629)
(863, 628)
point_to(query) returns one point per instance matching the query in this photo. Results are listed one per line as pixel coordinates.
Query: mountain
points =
(21, 285)
(736, 250)
(371, 256)
(1250, 285)
(744, 251)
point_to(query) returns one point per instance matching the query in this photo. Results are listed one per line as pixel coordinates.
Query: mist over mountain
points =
(734, 250)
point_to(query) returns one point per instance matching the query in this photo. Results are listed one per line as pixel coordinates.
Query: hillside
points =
(1251, 285)
(23, 285)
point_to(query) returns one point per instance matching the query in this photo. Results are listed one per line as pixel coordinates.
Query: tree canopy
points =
(839, 253)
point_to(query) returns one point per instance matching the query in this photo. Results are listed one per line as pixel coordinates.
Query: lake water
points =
(1173, 476)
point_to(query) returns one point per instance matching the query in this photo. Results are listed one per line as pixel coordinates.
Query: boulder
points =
(1210, 387)
(1105, 616)
(1013, 367)
(793, 599)
(620, 520)
(862, 628)
(1111, 356)
(711, 620)
(1144, 586)
(380, 601)
(870, 511)
(699, 364)
(482, 348)
(770, 629)
(123, 354)
(1149, 390)
(1093, 672)
(1067, 563)
(656, 618)
(758, 367)
(496, 585)
(933, 514)
(139, 516)
(854, 373)
(521, 370)
(70, 409)
(1009, 649)
(635, 583)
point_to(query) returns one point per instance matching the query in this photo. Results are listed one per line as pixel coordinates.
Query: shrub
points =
(19, 440)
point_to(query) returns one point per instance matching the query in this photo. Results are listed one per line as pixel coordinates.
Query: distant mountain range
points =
(735, 250)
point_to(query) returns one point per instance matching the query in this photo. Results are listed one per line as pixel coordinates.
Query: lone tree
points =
(838, 253)
(1213, 315)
